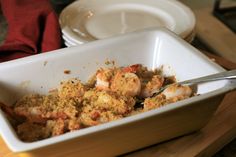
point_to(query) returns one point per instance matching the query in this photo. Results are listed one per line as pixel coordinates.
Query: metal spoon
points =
(214, 77)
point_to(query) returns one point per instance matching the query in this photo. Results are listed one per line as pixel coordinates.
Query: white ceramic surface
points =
(87, 20)
(68, 42)
(153, 48)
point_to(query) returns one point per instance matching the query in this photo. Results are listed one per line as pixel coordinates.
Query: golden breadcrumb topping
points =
(111, 94)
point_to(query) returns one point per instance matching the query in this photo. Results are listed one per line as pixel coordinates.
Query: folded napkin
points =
(32, 28)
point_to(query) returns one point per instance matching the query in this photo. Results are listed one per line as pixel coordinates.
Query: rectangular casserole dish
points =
(152, 48)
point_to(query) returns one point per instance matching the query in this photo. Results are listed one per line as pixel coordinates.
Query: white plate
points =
(87, 20)
(68, 42)
(43, 72)
(190, 37)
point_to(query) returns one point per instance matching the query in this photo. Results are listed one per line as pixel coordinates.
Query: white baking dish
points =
(153, 48)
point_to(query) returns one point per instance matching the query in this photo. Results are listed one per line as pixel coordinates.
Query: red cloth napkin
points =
(32, 28)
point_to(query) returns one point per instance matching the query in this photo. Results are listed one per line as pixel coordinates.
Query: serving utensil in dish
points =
(214, 77)
(153, 48)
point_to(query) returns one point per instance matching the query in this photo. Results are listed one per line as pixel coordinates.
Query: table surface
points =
(197, 143)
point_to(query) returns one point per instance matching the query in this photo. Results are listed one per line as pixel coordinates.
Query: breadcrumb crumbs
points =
(74, 105)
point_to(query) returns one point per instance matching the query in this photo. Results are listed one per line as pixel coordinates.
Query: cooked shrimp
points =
(29, 107)
(109, 101)
(56, 127)
(123, 81)
(60, 126)
(126, 83)
(104, 106)
(154, 102)
(171, 94)
(97, 116)
(151, 81)
(29, 131)
(37, 108)
(152, 86)
(103, 78)
(177, 91)
(74, 124)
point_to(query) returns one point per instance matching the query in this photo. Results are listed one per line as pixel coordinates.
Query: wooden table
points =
(218, 132)
(215, 34)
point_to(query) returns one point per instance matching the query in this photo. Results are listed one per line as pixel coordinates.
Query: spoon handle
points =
(219, 76)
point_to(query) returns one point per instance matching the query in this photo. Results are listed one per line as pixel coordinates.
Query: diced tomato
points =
(132, 68)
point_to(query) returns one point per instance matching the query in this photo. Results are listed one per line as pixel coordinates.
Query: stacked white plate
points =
(88, 20)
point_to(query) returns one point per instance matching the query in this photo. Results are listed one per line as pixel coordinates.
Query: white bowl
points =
(87, 20)
(153, 48)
